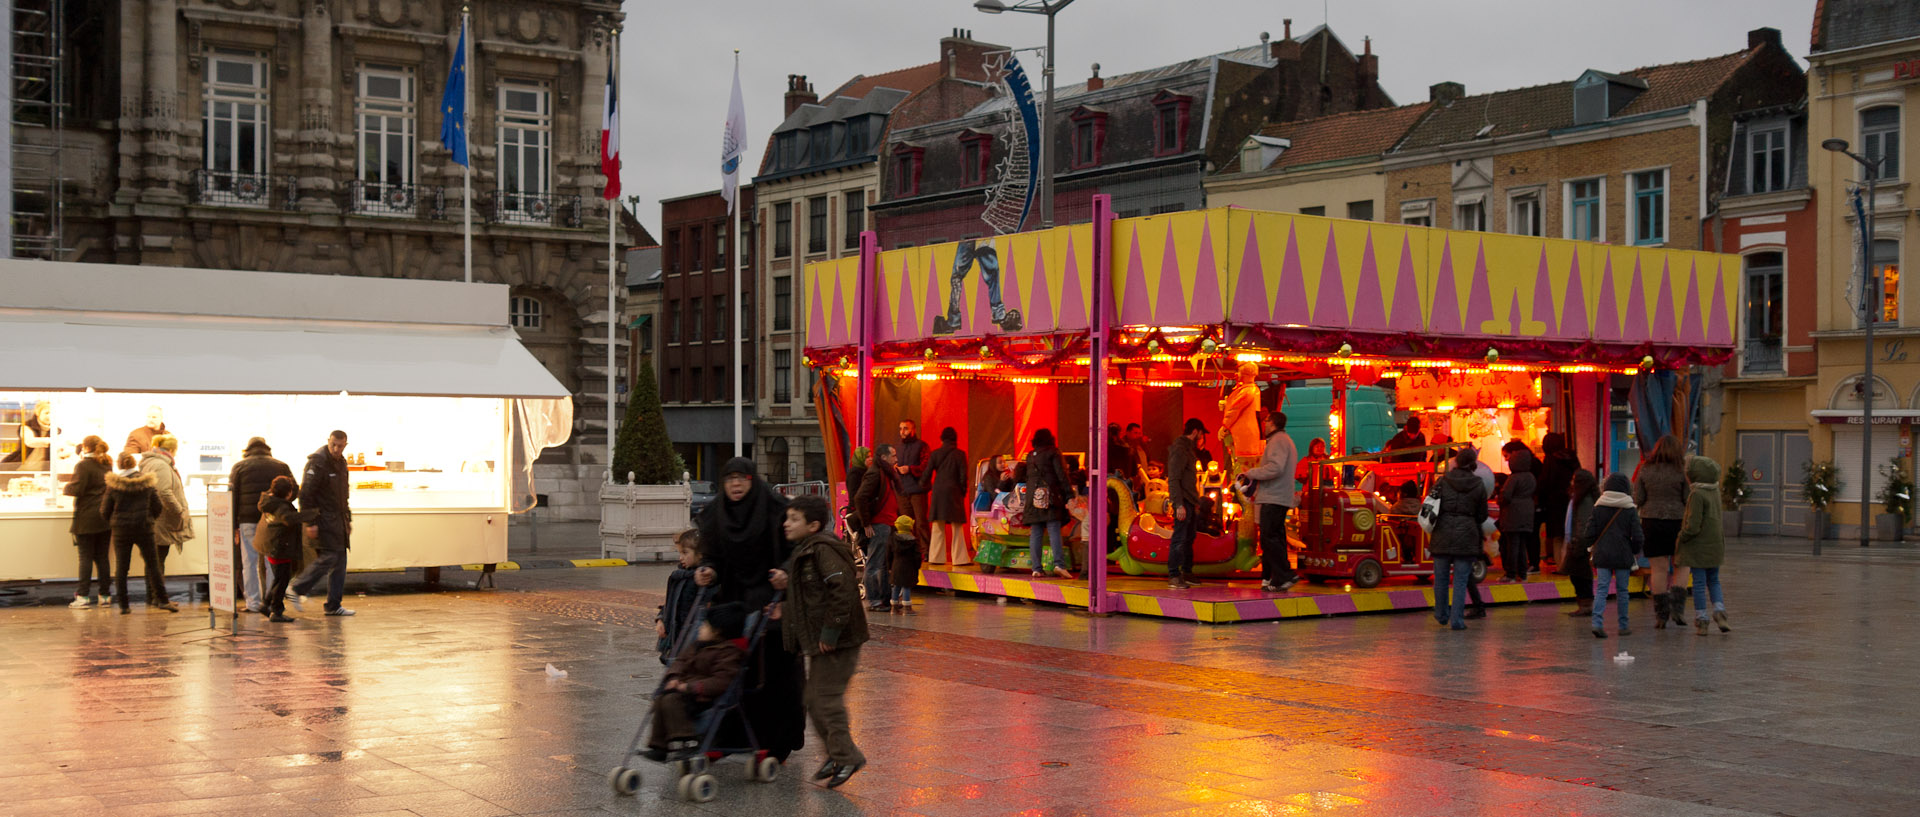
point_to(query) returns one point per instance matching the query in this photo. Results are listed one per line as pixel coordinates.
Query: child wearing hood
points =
(284, 528)
(697, 678)
(903, 565)
(1701, 547)
(1614, 539)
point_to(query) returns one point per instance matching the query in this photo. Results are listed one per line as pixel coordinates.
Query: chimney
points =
(1285, 49)
(963, 57)
(1367, 81)
(1444, 92)
(1095, 83)
(799, 92)
(1763, 37)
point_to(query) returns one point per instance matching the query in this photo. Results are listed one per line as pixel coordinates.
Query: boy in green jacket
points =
(1701, 547)
(822, 618)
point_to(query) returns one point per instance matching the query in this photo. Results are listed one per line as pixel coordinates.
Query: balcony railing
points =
(397, 200)
(543, 209)
(1762, 356)
(223, 188)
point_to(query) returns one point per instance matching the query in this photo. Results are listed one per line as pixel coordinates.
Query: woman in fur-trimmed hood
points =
(131, 507)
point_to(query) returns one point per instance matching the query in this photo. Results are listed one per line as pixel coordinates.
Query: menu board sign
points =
(1431, 390)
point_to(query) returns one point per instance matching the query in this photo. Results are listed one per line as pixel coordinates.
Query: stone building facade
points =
(302, 136)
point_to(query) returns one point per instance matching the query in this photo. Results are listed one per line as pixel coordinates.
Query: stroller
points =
(696, 783)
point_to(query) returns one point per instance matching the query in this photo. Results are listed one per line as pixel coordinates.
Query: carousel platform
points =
(1223, 601)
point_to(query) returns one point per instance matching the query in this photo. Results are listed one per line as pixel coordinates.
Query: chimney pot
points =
(1287, 28)
(1095, 83)
(1366, 44)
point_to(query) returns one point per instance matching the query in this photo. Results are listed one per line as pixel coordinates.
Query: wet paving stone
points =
(435, 701)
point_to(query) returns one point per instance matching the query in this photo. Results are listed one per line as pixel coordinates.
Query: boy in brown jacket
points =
(697, 678)
(821, 617)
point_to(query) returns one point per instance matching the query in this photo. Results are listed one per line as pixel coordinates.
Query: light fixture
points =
(1835, 145)
(989, 6)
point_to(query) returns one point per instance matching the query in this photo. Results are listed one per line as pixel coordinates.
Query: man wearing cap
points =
(250, 477)
(1183, 499)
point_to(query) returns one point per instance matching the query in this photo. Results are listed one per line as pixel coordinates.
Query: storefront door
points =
(1774, 462)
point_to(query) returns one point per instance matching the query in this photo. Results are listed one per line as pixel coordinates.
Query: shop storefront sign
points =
(1879, 420)
(219, 551)
(1468, 390)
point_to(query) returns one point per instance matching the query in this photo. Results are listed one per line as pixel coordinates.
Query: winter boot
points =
(1582, 608)
(1660, 603)
(1677, 605)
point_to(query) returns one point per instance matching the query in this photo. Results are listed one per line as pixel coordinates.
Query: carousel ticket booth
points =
(1218, 315)
(443, 408)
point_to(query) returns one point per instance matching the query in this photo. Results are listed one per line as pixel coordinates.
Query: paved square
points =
(436, 702)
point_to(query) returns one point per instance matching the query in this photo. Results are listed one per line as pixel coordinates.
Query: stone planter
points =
(638, 522)
(1887, 527)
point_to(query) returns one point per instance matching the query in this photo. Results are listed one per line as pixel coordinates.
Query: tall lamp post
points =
(1048, 8)
(1870, 300)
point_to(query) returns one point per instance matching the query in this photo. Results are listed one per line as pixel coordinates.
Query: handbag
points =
(1430, 512)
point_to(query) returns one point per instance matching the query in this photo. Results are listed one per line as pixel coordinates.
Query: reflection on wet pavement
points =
(437, 703)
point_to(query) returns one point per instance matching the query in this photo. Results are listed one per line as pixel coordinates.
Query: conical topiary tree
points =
(643, 448)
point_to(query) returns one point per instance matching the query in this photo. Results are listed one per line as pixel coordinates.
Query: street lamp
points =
(1869, 289)
(1048, 8)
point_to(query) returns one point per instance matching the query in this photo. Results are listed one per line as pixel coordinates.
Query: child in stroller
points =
(695, 680)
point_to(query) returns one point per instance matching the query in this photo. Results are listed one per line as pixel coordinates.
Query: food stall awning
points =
(52, 351)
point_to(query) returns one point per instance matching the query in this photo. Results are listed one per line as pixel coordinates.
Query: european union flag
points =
(453, 104)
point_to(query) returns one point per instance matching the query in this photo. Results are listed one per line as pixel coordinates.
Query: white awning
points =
(54, 351)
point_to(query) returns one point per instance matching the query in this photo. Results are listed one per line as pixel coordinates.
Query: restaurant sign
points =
(1486, 389)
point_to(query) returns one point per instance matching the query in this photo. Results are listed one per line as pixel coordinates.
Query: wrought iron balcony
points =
(1763, 356)
(541, 209)
(223, 188)
(397, 200)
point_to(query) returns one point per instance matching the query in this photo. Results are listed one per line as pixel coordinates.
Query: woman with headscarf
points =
(741, 543)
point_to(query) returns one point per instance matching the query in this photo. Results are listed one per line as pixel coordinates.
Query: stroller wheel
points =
(683, 788)
(625, 781)
(701, 788)
(764, 770)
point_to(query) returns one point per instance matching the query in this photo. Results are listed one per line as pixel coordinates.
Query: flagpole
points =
(466, 176)
(613, 72)
(733, 255)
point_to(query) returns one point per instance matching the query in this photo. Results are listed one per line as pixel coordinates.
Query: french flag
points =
(610, 138)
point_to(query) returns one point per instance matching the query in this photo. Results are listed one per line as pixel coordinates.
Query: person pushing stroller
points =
(696, 679)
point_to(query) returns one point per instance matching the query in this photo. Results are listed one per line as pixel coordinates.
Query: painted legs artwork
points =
(1007, 319)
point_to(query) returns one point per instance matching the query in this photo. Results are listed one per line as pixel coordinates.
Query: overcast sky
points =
(677, 57)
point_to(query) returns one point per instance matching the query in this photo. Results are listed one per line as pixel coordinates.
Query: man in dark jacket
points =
(915, 480)
(822, 618)
(1183, 499)
(324, 490)
(1409, 437)
(875, 506)
(1519, 533)
(1455, 540)
(250, 477)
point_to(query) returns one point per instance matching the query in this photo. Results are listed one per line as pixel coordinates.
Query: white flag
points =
(733, 143)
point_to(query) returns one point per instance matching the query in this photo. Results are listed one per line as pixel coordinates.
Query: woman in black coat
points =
(947, 503)
(1456, 536)
(91, 534)
(1045, 510)
(130, 506)
(1557, 465)
(741, 543)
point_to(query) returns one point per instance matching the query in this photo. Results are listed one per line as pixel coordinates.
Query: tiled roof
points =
(1840, 24)
(905, 79)
(1548, 107)
(1339, 136)
(1252, 55)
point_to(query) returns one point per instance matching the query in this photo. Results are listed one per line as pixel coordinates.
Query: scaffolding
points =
(39, 109)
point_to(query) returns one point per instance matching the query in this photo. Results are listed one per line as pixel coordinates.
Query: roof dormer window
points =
(1170, 122)
(1598, 95)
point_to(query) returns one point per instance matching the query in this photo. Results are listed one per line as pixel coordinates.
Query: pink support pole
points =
(868, 281)
(1100, 323)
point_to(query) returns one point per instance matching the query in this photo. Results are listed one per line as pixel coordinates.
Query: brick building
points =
(1147, 138)
(302, 137)
(700, 310)
(1325, 166)
(1864, 88)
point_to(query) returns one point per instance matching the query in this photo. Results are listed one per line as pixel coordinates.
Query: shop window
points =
(856, 219)
(720, 316)
(1880, 139)
(235, 108)
(976, 151)
(1360, 210)
(906, 170)
(525, 129)
(1767, 158)
(783, 303)
(384, 112)
(1471, 215)
(1170, 123)
(524, 313)
(1886, 273)
(783, 229)
(696, 249)
(817, 224)
(1766, 314)
(782, 375)
(1585, 219)
(1649, 218)
(1523, 215)
(695, 309)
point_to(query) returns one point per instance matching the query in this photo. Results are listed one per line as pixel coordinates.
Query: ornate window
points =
(524, 312)
(235, 106)
(526, 151)
(384, 114)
